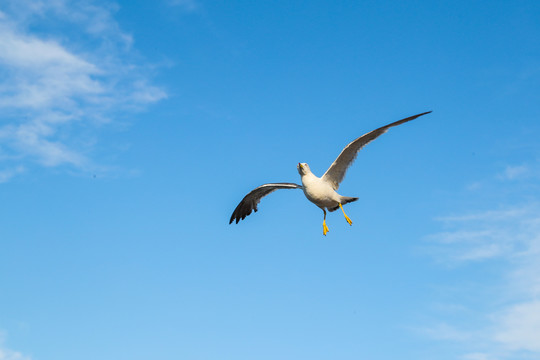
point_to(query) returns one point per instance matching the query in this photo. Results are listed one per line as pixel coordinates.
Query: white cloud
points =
(477, 356)
(43, 75)
(511, 328)
(8, 354)
(474, 186)
(483, 252)
(444, 331)
(486, 235)
(7, 174)
(53, 85)
(515, 172)
(518, 327)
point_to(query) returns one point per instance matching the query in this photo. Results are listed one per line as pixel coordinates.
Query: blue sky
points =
(130, 130)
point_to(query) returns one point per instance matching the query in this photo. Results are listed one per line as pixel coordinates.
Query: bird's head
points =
(303, 169)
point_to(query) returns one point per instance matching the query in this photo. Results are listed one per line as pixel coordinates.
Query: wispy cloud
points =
(7, 174)
(518, 326)
(8, 354)
(75, 73)
(486, 235)
(477, 356)
(515, 172)
(444, 331)
(508, 238)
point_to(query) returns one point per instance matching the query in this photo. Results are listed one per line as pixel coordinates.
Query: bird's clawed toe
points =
(325, 228)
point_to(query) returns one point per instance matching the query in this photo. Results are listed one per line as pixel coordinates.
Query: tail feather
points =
(348, 199)
(344, 200)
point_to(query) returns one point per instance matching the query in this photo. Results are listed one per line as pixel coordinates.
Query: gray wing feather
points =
(250, 201)
(336, 172)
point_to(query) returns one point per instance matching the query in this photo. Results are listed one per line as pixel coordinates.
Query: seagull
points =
(322, 191)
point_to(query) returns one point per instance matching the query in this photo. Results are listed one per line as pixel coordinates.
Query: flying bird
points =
(322, 191)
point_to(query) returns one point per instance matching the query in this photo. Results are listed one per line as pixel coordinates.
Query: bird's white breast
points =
(318, 191)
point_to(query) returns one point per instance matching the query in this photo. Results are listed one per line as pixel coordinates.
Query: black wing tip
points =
(237, 218)
(421, 114)
(402, 121)
(249, 205)
(240, 213)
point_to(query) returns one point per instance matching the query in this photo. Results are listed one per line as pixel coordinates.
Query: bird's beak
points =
(299, 165)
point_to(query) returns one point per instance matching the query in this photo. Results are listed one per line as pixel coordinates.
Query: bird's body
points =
(319, 192)
(322, 191)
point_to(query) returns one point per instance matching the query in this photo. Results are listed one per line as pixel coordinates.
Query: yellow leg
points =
(346, 217)
(325, 228)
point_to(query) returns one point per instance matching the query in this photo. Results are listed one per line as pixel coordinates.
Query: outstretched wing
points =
(336, 172)
(250, 201)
